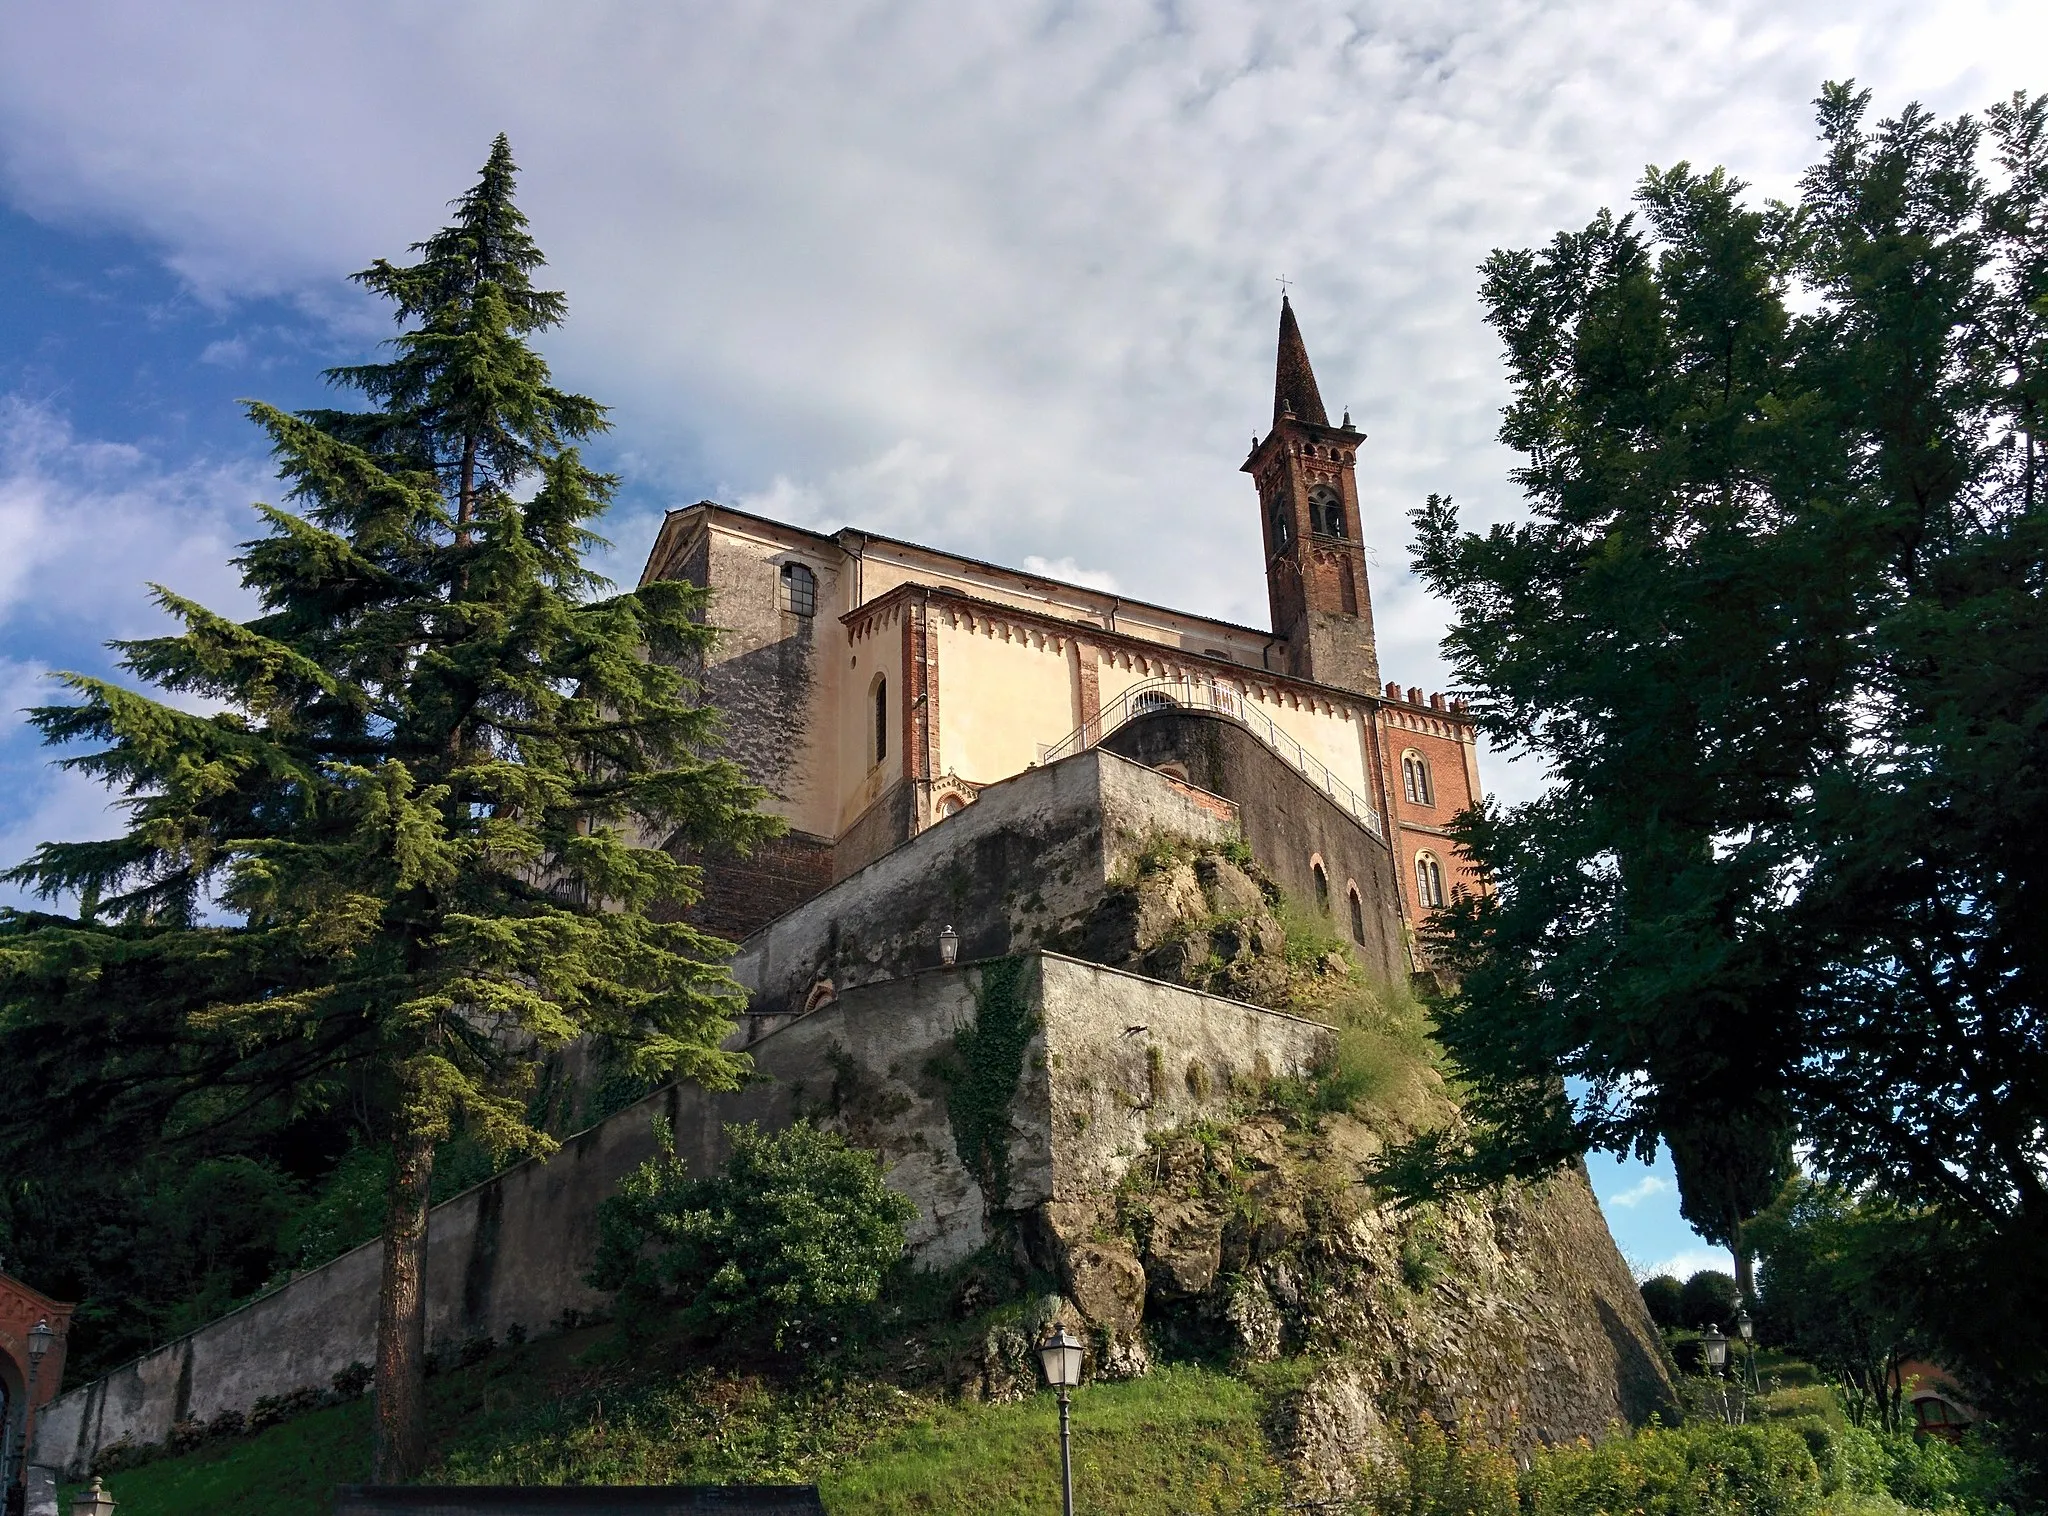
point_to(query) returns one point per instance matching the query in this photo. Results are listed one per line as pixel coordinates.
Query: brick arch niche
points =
(20, 1309)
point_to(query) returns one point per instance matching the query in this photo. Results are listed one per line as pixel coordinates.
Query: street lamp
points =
(949, 946)
(1746, 1330)
(1061, 1355)
(39, 1339)
(1715, 1346)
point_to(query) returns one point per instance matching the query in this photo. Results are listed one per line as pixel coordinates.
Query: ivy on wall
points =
(982, 1078)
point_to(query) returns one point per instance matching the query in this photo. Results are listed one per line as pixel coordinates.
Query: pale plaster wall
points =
(1003, 697)
(513, 1251)
(879, 650)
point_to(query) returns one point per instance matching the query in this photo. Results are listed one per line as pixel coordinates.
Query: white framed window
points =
(1415, 781)
(1429, 881)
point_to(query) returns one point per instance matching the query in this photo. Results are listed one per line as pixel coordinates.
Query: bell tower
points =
(1315, 549)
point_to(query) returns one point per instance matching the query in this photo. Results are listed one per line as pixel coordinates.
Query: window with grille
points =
(799, 590)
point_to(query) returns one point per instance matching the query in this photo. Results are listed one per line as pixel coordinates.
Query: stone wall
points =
(512, 1252)
(1007, 872)
(1287, 822)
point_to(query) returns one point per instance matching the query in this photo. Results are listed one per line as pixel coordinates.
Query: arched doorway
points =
(21, 1309)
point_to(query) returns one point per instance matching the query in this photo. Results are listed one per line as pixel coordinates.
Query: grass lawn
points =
(1182, 1440)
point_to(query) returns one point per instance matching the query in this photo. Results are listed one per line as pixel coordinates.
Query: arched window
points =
(1315, 867)
(951, 805)
(1429, 881)
(1415, 783)
(1153, 700)
(1176, 771)
(881, 718)
(1326, 510)
(799, 590)
(1282, 534)
(1357, 913)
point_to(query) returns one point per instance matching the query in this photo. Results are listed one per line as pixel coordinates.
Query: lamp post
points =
(1715, 1346)
(1746, 1330)
(1061, 1355)
(949, 946)
(39, 1339)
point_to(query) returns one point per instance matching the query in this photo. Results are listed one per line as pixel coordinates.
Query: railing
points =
(1218, 699)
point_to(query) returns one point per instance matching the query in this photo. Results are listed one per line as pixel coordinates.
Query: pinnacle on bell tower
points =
(1315, 549)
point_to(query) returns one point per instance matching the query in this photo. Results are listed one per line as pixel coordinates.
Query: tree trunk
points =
(401, 1434)
(1745, 1266)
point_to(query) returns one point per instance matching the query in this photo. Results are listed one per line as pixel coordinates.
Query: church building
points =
(875, 686)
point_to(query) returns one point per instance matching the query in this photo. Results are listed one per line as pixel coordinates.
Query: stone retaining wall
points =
(512, 1252)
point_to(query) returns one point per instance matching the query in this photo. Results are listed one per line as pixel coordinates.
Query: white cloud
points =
(1683, 1265)
(86, 525)
(993, 274)
(1646, 1188)
(1068, 571)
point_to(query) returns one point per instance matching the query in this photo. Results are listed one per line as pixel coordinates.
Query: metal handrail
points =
(1188, 693)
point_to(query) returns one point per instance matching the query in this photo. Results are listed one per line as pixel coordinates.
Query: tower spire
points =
(1294, 382)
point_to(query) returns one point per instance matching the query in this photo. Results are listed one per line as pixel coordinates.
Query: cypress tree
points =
(417, 843)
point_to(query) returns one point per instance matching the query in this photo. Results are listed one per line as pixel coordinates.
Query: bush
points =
(795, 1232)
(1710, 1299)
(1436, 1473)
(1664, 1298)
(1704, 1470)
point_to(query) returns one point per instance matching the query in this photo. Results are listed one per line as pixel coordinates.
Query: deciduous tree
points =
(1776, 625)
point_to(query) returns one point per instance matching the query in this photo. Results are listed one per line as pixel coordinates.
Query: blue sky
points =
(997, 274)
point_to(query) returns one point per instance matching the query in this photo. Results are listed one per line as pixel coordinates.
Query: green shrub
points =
(1707, 1470)
(1710, 1299)
(1664, 1298)
(1436, 1473)
(793, 1233)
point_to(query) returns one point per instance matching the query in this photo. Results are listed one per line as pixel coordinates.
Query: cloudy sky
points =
(994, 274)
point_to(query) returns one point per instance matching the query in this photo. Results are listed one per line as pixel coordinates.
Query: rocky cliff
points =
(1510, 1313)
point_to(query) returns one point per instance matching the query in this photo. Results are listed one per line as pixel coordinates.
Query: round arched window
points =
(1415, 783)
(1153, 700)
(1429, 881)
(1326, 510)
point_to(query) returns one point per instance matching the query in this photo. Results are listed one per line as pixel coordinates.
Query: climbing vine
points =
(988, 1062)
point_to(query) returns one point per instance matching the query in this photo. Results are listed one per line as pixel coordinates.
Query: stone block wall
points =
(513, 1251)
(1287, 822)
(1030, 855)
